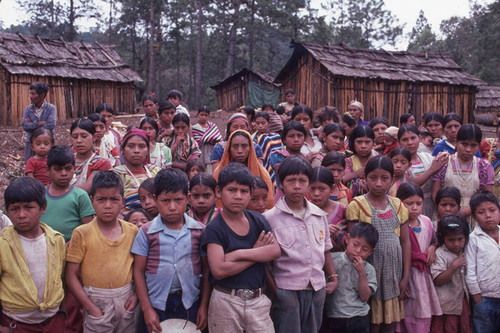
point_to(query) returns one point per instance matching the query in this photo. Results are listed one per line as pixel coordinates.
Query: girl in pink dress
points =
(421, 301)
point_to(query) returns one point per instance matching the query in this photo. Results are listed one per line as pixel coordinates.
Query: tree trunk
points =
(252, 36)
(72, 31)
(198, 75)
(232, 38)
(52, 20)
(152, 39)
(110, 21)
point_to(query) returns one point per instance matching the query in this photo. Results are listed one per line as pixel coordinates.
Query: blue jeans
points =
(298, 311)
(486, 316)
(174, 309)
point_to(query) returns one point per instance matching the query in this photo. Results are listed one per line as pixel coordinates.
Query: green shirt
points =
(64, 212)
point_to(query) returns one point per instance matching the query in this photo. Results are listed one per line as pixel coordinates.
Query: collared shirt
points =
(345, 301)
(452, 292)
(170, 252)
(18, 292)
(303, 243)
(483, 264)
(48, 114)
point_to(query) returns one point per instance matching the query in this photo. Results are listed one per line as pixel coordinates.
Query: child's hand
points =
(152, 321)
(202, 318)
(264, 239)
(465, 211)
(404, 292)
(359, 265)
(331, 286)
(310, 157)
(334, 229)
(41, 123)
(431, 254)
(360, 173)
(459, 261)
(477, 298)
(439, 161)
(131, 303)
(95, 312)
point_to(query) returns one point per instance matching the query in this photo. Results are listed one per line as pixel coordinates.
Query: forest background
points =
(191, 45)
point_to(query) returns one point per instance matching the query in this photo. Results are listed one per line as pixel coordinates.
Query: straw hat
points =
(178, 325)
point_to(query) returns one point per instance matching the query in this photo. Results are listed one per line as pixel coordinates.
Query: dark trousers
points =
(52, 325)
(360, 324)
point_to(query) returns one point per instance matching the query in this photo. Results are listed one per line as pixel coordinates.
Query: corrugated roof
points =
(34, 55)
(488, 96)
(380, 64)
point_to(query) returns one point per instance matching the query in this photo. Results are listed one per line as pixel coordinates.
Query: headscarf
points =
(252, 163)
(233, 118)
(136, 132)
(391, 135)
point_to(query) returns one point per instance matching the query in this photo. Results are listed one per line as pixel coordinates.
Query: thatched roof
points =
(34, 55)
(264, 77)
(341, 60)
(488, 96)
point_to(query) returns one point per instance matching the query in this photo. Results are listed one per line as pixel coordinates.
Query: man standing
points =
(38, 114)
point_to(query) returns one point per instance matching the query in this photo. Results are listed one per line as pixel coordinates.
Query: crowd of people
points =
(287, 220)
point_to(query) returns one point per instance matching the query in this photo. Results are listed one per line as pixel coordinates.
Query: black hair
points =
(333, 157)
(322, 175)
(175, 93)
(149, 98)
(379, 162)
(235, 172)
(328, 112)
(470, 132)
(85, 124)
(289, 91)
(401, 151)
(106, 179)
(151, 122)
(366, 231)
(360, 132)
(259, 183)
(292, 125)
(404, 118)
(452, 225)
(25, 189)
(104, 107)
(192, 163)
(203, 179)
(301, 108)
(60, 155)
(96, 117)
(137, 210)
(171, 180)
(409, 189)
(250, 112)
(262, 114)
(40, 88)
(348, 120)
(449, 192)
(433, 116)
(482, 196)
(423, 134)
(407, 128)
(450, 117)
(294, 165)
(181, 117)
(379, 120)
(280, 109)
(204, 108)
(333, 127)
(267, 105)
(166, 105)
(148, 185)
(41, 131)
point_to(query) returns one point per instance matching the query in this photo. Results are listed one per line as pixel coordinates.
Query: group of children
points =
(345, 227)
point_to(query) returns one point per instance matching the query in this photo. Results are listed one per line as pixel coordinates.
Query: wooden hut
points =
(246, 88)
(488, 100)
(387, 83)
(80, 76)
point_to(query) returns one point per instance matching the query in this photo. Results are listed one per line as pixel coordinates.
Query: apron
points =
(81, 178)
(388, 258)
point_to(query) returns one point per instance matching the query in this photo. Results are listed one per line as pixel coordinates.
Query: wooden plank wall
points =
(316, 87)
(72, 98)
(233, 94)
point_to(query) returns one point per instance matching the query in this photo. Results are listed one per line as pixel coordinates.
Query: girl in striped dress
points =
(206, 134)
(183, 147)
(268, 141)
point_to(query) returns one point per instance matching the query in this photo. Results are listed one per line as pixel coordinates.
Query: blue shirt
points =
(444, 145)
(170, 252)
(48, 115)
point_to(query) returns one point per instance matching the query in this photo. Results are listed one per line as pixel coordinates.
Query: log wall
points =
(316, 87)
(72, 98)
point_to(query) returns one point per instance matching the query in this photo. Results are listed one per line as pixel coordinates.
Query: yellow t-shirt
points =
(104, 263)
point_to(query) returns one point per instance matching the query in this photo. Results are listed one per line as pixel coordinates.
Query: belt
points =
(242, 293)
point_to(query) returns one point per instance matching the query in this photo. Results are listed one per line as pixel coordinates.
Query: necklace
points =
(463, 172)
(418, 228)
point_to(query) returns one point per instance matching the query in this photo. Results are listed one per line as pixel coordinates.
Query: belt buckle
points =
(246, 293)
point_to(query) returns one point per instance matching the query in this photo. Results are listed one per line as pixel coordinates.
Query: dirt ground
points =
(12, 140)
(12, 143)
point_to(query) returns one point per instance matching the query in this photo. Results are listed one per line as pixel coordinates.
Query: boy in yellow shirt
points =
(31, 263)
(100, 250)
